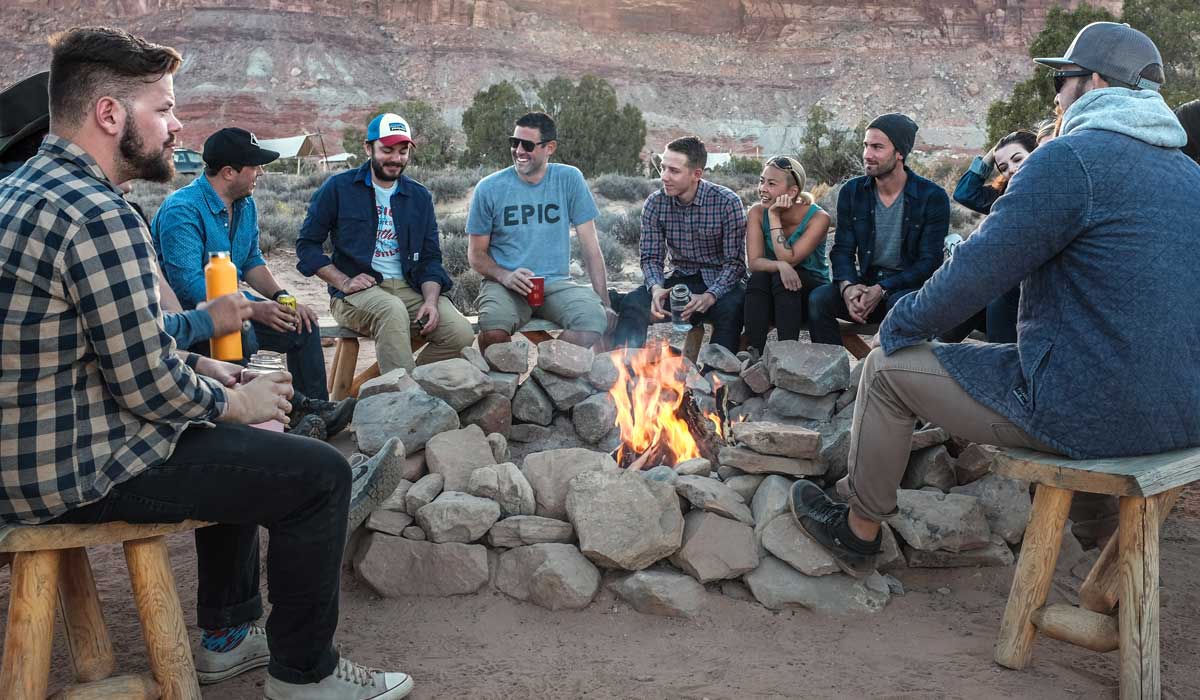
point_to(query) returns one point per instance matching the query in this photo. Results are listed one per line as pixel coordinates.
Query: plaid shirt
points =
(707, 236)
(91, 390)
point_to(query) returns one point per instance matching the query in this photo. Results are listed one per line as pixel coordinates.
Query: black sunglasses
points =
(515, 143)
(785, 164)
(1060, 77)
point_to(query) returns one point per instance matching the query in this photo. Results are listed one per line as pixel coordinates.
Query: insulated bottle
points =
(220, 278)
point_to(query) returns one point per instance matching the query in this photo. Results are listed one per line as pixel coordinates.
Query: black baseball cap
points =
(235, 147)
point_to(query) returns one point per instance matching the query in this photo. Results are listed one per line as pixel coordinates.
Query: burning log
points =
(702, 428)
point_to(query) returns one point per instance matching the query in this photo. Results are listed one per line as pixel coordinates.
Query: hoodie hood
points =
(1139, 114)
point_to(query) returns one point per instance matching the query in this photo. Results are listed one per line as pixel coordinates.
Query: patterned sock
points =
(224, 639)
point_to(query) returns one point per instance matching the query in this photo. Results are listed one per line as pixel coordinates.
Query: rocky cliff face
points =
(739, 72)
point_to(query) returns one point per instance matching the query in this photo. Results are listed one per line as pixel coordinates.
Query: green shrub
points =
(742, 165)
(625, 228)
(614, 253)
(465, 290)
(454, 255)
(625, 188)
(453, 225)
(448, 186)
(278, 230)
(733, 180)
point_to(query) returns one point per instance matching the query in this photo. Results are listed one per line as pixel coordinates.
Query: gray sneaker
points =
(374, 480)
(251, 653)
(349, 681)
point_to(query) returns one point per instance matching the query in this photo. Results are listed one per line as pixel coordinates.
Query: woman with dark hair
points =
(1189, 116)
(785, 247)
(999, 319)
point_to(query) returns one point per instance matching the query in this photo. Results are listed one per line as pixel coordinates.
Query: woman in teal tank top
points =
(785, 249)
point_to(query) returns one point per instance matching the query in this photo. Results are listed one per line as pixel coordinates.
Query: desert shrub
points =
(741, 165)
(454, 255)
(733, 180)
(448, 185)
(278, 230)
(626, 227)
(614, 253)
(625, 188)
(465, 290)
(749, 195)
(453, 225)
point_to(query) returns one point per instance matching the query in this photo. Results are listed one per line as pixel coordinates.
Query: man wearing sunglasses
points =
(1100, 248)
(520, 229)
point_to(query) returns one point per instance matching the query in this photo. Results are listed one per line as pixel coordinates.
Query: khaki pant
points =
(893, 392)
(386, 312)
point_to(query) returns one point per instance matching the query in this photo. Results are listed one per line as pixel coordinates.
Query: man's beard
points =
(880, 172)
(140, 163)
(377, 170)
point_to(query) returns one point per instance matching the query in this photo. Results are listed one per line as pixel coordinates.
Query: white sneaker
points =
(349, 681)
(251, 653)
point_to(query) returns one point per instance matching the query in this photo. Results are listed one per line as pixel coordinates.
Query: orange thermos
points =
(220, 278)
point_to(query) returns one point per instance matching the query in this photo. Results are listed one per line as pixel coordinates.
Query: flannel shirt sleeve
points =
(733, 249)
(653, 244)
(109, 274)
(182, 251)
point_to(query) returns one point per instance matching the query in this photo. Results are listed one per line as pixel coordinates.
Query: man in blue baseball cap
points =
(385, 276)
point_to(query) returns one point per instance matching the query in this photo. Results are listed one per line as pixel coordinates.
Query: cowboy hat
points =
(24, 110)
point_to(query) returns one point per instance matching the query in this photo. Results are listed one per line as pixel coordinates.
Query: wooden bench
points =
(49, 566)
(1127, 570)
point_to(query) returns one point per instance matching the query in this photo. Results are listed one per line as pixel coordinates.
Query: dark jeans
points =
(242, 477)
(305, 360)
(769, 302)
(725, 316)
(826, 305)
(998, 321)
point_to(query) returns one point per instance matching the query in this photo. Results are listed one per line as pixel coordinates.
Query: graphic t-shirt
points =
(386, 260)
(530, 225)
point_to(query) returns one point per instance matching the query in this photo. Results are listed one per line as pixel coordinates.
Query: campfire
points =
(660, 422)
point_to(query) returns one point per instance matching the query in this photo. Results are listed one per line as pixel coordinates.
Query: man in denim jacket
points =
(1100, 250)
(890, 227)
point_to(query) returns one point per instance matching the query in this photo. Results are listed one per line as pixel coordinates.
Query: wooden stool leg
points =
(1138, 614)
(1035, 571)
(162, 618)
(333, 369)
(25, 671)
(87, 637)
(343, 375)
(855, 345)
(363, 377)
(1099, 592)
(139, 687)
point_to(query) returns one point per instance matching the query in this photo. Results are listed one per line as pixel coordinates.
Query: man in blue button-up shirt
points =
(217, 212)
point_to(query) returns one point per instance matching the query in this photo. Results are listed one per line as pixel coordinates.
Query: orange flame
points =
(647, 403)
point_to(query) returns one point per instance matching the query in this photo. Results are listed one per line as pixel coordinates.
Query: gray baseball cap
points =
(1115, 51)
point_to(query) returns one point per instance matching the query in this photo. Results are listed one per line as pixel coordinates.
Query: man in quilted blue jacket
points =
(1099, 248)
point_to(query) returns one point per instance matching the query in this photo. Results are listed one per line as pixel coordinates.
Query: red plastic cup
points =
(537, 295)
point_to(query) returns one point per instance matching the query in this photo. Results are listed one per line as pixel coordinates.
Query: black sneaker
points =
(825, 522)
(309, 426)
(335, 414)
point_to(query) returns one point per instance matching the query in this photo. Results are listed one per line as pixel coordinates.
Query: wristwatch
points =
(281, 292)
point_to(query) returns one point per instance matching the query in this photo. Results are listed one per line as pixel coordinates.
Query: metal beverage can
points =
(287, 300)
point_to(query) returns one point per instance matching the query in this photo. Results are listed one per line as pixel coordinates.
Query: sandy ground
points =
(933, 642)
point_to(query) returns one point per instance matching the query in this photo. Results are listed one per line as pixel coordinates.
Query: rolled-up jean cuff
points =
(846, 490)
(229, 615)
(325, 666)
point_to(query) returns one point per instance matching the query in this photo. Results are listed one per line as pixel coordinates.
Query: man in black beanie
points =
(890, 227)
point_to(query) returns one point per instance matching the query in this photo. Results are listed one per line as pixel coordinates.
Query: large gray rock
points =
(719, 358)
(932, 466)
(594, 417)
(996, 553)
(457, 517)
(521, 530)
(713, 496)
(777, 439)
(505, 383)
(564, 392)
(807, 368)
(661, 592)
(932, 520)
(603, 373)
(531, 404)
(752, 462)
(394, 567)
(778, 586)
(564, 359)
(499, 445)
(551, 471)
(770, 500)
(484, 483)
(456, 453)
(514, 494)
(757, 378)
(661, 473)
(492, 413)
(553, 576)
(455, 381)
(1006, 504)
(745, 485)
(423, 492)
(975, 462)
(413, 416)
(397, 380)
(697, 466)
(794, 405)
(835, 447)
(512, 358)
(783, 538)
(715, 548)
(624, 521)
(471, 354)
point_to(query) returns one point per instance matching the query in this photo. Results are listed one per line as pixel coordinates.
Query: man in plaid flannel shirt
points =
(702, 226)
(102, 420)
